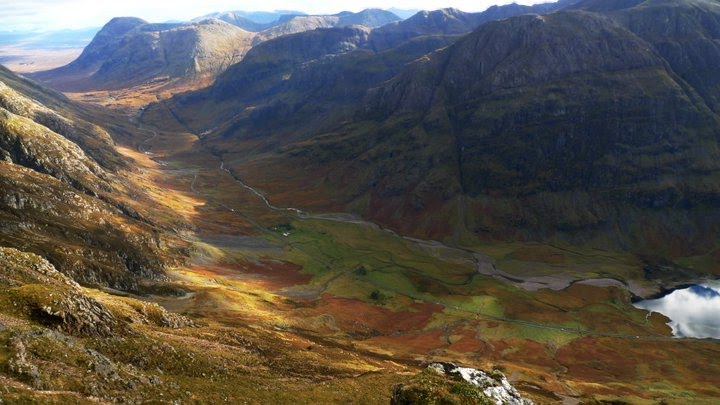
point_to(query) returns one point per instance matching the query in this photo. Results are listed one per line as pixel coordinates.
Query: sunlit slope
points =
(62, 203)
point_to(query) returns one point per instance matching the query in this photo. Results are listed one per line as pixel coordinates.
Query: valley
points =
(291, 208)
(346, 280)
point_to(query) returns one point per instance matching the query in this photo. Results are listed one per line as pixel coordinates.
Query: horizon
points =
(39, 16)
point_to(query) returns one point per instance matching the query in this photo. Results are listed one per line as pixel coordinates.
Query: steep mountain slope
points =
(60, 203)
(580, 126)
(689, 39)
(129, 52)
(26, 98)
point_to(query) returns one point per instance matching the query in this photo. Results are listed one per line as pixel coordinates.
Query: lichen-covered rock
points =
(20, 366)
(155, 314)
(494, 385)
(39, 291)
(446, 383)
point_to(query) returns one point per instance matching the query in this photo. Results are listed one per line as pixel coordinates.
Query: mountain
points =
(370, 18)
(578, 126)
(63, 204)
(236, 19)
(347, 209)
(261, 18)
(273, 25)
(300, 65)
(129, 52)
(451, 21)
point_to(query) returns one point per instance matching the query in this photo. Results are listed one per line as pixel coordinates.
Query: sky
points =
(49, 15)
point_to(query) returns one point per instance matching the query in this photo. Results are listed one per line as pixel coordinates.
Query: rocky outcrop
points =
(27, 143)
(448, 383)
(52, 298)
(494, 385)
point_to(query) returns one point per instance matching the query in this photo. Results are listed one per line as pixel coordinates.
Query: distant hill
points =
(257, 17)
(131, 51)
(370, 18)
(303, 57)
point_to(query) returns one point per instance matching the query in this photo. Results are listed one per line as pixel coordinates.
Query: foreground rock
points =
(449, 383)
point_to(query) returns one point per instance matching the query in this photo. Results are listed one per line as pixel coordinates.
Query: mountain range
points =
(584, 125)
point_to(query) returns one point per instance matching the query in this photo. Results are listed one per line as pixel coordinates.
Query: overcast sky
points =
(45, 15)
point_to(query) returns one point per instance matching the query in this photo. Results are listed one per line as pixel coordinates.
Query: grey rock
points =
(494, 385)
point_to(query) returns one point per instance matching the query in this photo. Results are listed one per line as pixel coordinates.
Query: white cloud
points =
(694, 312)
(59, 14)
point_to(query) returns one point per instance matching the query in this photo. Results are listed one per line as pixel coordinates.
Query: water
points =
(693, 311)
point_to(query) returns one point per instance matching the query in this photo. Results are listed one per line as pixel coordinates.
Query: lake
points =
(694, 311)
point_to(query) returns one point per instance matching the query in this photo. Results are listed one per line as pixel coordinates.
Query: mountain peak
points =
(121, 25)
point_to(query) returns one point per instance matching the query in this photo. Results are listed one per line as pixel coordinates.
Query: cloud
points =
(694, 311)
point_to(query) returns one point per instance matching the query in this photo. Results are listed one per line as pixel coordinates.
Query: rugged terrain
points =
(347, 205)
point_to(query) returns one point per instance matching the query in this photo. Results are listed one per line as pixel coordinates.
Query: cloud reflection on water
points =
(694, 311)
